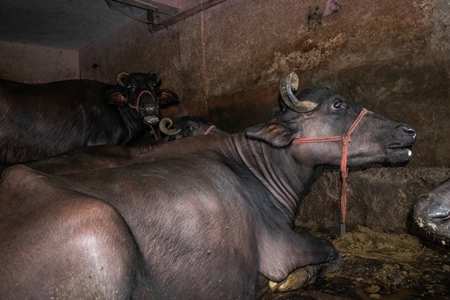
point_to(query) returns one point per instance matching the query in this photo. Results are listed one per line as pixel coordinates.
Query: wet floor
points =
(380, 266)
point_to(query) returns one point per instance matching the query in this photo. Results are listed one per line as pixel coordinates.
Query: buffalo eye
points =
(189, 128)
(128, 86)
(339, 104)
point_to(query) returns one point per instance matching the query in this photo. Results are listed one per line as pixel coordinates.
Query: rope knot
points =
(346, 140)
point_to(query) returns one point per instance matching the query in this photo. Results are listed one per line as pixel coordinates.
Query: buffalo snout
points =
(399, 149)
(408, 130)
(403, 136)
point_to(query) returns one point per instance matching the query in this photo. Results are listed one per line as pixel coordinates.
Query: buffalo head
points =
(318, 119)
(430, 216)
(142, 93)
(319, 128)
(187, 126)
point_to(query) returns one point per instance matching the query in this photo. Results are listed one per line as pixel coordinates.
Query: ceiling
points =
(68, 24)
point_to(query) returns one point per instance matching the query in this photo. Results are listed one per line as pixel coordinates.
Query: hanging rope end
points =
(342, 229)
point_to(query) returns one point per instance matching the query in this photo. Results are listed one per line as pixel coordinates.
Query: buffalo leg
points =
(303, 258)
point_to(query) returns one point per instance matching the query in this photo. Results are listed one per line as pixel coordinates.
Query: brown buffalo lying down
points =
(197, 218)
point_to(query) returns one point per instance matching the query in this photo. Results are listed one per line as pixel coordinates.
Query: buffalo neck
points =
(133, 123)
(285, 181)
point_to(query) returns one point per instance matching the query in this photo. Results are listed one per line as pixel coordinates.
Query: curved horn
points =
(289, 83)
(120, 76)
(164, 124)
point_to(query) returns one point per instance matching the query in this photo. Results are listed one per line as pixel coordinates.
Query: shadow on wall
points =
(243, 109)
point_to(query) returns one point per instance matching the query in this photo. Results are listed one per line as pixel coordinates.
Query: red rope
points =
(211, 127)
(344, 170)
(136, 108)
(153, 132)
(138, 101)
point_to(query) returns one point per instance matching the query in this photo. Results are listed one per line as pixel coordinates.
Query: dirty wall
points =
(37, 64)
(392, 57)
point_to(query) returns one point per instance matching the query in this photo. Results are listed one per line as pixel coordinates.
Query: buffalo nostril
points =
(409, 131)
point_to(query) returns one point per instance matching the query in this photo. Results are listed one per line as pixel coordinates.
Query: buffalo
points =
(215, 222)
(41, 120)
(430, 217)
(109, 156)
(187, 126)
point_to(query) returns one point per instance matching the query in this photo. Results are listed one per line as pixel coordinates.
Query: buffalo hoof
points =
(295, 280)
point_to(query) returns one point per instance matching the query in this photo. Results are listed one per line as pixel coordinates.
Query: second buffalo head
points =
(142, 93)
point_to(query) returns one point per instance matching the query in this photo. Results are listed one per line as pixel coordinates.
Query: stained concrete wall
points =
(225, 62)
(37, 64)
(379, 198)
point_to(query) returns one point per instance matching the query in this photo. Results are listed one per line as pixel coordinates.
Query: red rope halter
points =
(344, 170)
(207, 131)
(136, 108)
(138, 100)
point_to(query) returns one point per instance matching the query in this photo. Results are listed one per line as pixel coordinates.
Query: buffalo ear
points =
(167, 98)
(117, 98)
(274, 133)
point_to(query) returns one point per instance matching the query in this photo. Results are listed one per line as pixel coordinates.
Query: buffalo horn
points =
(120, 77)
(164, 124)
(289, 83)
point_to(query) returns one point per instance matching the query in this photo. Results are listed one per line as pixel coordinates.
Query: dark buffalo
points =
(41, 120)
(430, 218)
(219, 211)
(110, 156)
(188, 126)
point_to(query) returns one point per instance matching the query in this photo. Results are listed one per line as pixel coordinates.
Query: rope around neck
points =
(344, 170)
